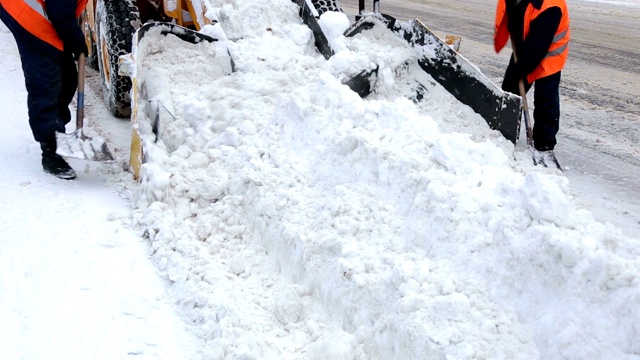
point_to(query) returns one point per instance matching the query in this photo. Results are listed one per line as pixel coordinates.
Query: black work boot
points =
(53, 163)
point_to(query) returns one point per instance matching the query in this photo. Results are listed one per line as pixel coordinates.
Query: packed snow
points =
(287, 218)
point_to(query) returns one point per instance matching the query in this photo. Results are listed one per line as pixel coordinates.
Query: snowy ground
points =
(75, 279)
(290, 219)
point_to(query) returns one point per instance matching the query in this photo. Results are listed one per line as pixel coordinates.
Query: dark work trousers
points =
(546, 102)
(51, 79)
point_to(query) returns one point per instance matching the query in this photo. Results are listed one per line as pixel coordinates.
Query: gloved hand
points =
(80, 49)
(518, 69)
(76, 44)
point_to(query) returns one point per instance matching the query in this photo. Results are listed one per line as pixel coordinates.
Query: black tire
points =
(323, 6)
(116, 23)
(92, 59)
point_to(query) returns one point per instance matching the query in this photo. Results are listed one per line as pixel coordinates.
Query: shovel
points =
(536, 156)
(77, 144)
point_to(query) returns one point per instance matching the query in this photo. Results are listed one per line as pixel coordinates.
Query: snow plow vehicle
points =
(120, 44)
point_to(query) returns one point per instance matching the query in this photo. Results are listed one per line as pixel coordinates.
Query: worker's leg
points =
(547, 112)
(41, 67)
(47, 93)
(43, 80)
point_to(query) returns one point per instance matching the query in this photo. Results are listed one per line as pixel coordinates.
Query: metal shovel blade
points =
(79, 146)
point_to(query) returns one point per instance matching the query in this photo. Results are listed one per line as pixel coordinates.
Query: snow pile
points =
(296, 220)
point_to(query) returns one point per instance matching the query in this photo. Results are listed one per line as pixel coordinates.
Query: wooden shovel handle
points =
(80, 97)
(523, 94)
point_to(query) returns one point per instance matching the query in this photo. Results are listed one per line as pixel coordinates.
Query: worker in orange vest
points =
(539, 30)
(49, 38)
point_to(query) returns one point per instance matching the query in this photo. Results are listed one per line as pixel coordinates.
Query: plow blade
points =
(152, 105)
(309, 16)
(501, 110)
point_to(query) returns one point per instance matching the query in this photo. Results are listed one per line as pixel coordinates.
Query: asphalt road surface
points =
(600, 90)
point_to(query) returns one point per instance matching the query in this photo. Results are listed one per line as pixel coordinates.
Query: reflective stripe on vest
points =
(37, 7)
(556, 39)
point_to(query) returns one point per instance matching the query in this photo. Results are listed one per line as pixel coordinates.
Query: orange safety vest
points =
(558, 51)
(31, 15)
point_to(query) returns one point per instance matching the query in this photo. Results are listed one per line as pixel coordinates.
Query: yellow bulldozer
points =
(115, 30)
